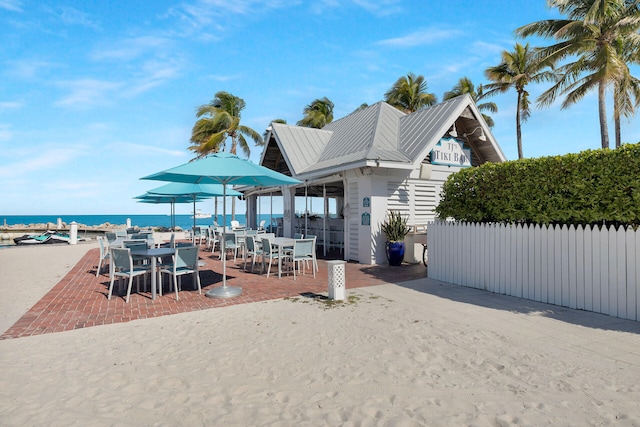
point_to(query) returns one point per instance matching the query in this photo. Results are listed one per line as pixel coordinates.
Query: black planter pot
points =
(395, 253)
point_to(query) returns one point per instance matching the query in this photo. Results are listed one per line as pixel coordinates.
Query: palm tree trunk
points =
(616, 121)
(518, 127)
(602, 112)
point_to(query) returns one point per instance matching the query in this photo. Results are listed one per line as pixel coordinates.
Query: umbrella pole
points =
(224, 291)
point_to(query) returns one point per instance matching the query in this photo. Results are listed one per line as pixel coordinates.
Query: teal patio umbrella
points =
(167, 199)
(193, 190)
(226, 169)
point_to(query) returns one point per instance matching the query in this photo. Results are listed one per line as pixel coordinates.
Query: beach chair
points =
(185, 261)
(122, 267)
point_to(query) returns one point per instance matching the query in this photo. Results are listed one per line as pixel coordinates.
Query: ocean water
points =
(183, 221)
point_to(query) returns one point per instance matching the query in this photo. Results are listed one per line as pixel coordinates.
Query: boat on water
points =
(48, 237)
(200, 215)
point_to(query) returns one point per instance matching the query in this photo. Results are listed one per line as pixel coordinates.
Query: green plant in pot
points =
(395, 229)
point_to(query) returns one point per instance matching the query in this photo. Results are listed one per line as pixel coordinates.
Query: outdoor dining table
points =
(153, 254)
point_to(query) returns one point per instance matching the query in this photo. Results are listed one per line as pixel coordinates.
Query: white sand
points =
(439, 355)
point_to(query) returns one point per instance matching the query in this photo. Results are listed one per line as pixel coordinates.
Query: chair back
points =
(121, 259)
(266, 247)
(235, 224)
(262, 223)
(103, 248)
(135, 245)
(251, 244)
(298, 236)
(303, 247)
(172, 240)
(187, 256)
(111, 236)
(230, 240)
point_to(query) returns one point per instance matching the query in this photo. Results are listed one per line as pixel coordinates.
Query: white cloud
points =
(28, 68)
(12, 5)
(420, 38)
(48, 159)
(132, 48)
(11, 105)
(72, 16)
(87, 92)
(6, 134)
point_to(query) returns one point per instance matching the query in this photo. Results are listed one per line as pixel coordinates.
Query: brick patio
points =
(79, 300)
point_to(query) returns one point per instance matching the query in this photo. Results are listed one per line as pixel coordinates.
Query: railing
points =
(594, 269)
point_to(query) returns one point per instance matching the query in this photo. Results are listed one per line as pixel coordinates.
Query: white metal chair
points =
(269, 254)
(315, 244)
(122, 267)
(213, 238)
(230, 244)
(104, 253)
(251, 251)
(185, 261)
(262, 223)
(298, 236)
(302, 252)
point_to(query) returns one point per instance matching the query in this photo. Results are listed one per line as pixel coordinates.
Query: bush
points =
(591, 187)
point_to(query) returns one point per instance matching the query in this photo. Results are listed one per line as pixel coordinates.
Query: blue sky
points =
(94, 95)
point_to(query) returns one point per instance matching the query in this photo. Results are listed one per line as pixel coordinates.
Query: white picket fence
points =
(583, 268)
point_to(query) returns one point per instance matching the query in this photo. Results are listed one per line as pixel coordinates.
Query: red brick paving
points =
(79, 300)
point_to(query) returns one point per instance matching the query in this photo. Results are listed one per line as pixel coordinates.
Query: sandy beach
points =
(410, 354)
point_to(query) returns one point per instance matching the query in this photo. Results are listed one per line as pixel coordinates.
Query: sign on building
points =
(451, 152)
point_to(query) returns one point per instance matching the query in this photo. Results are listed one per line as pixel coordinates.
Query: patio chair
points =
(298, 236)
(104, 253)
(213, 239)
(230, 244)
(315, 243)
(262, 223)
(111, 236)
(122, 267)
(185, 261)
(302, 252)
(252, 251)
(268, 253)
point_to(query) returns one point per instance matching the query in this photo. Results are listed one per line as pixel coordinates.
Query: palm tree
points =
(266, 132)
(409, 94)
(517, 69)
(465, 85)
(218, 121)
(626, 95)
(590, 33)
(318, 114)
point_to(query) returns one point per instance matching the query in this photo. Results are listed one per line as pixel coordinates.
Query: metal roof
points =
(378, 134)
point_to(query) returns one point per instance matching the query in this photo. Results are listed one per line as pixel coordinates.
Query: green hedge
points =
(591, 187)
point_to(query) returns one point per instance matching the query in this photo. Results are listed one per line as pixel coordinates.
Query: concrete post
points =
(73, 233)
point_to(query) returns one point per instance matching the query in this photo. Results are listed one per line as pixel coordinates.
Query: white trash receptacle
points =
(73, 233)
(336, 273)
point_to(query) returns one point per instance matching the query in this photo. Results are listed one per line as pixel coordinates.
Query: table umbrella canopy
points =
(223, 168)
(189, 189)
(160, 199)
(226, 169)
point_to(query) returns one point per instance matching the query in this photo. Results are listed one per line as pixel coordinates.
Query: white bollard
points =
(59, 223)
(73, 233)
(336, 272)
(128, 222)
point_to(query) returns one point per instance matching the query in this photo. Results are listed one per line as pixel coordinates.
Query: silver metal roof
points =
(382, 134)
